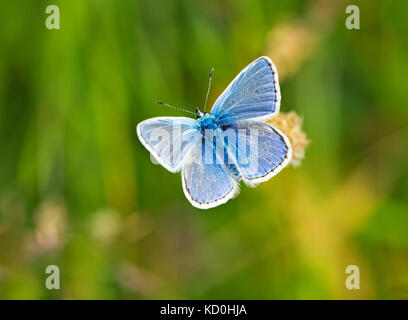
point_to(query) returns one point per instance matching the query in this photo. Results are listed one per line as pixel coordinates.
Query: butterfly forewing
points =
(254, 93)
(169, 139)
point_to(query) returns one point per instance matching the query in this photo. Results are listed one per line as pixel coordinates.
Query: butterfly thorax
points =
(207, 121)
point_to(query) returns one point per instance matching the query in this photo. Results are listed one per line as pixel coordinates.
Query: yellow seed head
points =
(291, 125)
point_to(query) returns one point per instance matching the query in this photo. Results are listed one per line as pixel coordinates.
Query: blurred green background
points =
(78, 190)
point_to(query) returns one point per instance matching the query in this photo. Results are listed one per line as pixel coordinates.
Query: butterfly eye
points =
(199, 114)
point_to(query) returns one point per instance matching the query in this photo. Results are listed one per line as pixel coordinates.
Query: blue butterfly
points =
(217, 150)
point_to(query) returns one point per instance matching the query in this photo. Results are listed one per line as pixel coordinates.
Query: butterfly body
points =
(207, 122)
(230, 144)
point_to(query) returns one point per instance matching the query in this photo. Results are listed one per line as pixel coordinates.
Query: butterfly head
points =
(199, 113)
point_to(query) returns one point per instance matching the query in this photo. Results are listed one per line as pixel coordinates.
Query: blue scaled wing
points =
(253, 94)
(169, 139)
(256, 150)
(207, 184)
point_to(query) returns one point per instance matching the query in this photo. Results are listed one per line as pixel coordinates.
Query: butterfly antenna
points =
(175, 108)
(208, 90)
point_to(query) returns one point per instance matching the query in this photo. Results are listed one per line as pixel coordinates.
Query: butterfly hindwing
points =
(206, 181)
(257, 150)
